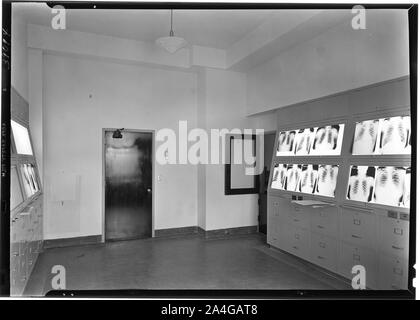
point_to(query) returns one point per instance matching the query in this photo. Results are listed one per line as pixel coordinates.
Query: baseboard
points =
(176, 231)
(219, 233)
(209, 234)
(68, 242)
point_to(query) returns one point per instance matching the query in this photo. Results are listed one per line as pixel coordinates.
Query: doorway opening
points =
(128, 166)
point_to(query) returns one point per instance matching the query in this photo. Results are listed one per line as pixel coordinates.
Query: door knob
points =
(149, 190)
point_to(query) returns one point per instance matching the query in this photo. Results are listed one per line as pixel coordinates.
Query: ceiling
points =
(212, 28)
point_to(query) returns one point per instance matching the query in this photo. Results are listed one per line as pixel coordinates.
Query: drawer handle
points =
(321, 257)
(16, 254)
(23, 279)
(295, 247)
(320, 227)
(356, 237)
(296, 220)
(322, 244)
(356, 222)
(398, 231)
(356, 257)
(297, 236)
(398, 271)
(397, 248)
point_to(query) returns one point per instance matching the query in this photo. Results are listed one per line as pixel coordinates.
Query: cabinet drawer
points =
(324, 251)
(297, 242)
(393, 236)
(393, 273)
(298, 216)
(352, 255)
(358, 227)
(325, 220)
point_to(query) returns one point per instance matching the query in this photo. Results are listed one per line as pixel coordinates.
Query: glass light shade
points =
(171, 43)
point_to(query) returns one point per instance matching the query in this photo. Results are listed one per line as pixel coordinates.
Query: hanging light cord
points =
(171, 33)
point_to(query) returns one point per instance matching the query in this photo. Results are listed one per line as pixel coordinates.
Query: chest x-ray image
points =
(293, 176)
(395, 135)
(308, 178)
(407, 182)
(303, 141)
(327, 180)
(279, 176)
(328, 140)
(361, 183)
(365, 137)
(389, 186)
(286, 143)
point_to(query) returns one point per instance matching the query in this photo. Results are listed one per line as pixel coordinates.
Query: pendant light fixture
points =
(171, 43)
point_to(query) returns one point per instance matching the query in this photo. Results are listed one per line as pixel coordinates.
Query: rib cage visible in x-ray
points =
(279, 176)
(389, 186)
(325, 140)
(286, 142)
(293, 176)
(361, 183)
(303, 141)
(395, 135)
(309, 178)
(327, 180)
(365, 136)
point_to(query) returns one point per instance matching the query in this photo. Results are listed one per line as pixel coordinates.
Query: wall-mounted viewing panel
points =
(320, 141)
(16, 196)
(307, 178)
(29, 178)
(382, 136)
(384, 185)
(21, 138)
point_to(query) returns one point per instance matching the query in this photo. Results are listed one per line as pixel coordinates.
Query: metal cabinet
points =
(25, 245)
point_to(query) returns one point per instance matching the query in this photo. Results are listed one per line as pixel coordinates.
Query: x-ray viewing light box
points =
(21, 138)
(307, 178)
(321, 141)
(382, 136)
(385, 185)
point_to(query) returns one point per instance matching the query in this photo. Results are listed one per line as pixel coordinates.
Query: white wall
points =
(19, 72)
(339, 59)
(121, 96)
(225, 107)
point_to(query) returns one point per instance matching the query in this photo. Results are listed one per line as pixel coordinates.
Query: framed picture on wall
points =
(237, 177)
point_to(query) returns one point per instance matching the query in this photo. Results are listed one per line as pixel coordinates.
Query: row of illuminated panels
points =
(390, 135)
(24, 179)
(386, 185)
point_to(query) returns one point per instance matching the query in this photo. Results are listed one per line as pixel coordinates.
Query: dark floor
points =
(188, 262)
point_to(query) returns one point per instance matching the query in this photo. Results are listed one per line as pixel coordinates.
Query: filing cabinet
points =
(324, 251)
(358, 227)
(394, 234)
(297, 241)
(297, 216)
(25, 244)
(324, 220)
(353, 255)
(393, 273)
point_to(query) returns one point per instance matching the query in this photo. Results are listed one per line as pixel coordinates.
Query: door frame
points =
(104, 130)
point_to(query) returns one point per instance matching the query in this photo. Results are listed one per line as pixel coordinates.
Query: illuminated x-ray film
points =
(322, 141)
(382, 136)
(30, 183)
(303, 141)
(327, 180)
(279, 176)
(361, 183)
(285, 143)
(385, 185)
(293, 177)
(328, 140)
(308, 179)
(391, 187)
